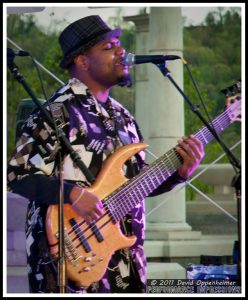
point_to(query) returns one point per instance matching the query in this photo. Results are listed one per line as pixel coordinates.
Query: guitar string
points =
(173, 154)
(155, 166)
(100, 227)
(171, 157)
(142, 195)
(174, 158)
(105, 200)
(217, 122)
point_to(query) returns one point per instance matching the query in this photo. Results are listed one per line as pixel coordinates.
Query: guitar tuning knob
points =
(87, 269)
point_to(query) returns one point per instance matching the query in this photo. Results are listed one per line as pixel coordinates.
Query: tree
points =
(214, 52)
(22, 30)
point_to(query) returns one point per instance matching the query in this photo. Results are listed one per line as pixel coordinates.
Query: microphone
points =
(132, 59)
(12, 53)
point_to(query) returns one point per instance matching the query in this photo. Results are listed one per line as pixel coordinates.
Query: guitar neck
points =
(121, 201)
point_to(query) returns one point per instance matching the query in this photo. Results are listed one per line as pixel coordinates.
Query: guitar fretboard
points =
(130, 194)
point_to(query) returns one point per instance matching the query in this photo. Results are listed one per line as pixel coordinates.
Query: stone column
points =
(159, 108)
(141, 77)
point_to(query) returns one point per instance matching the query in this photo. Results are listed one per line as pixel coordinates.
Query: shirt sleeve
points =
(168, 185)
(32, 168)
(42, 189)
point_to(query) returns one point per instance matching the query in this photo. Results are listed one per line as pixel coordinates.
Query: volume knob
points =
(88, 258)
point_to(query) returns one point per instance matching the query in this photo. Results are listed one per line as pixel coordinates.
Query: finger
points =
(98, 210)
(99, 203)
(95, 216)
(183, 153)
(185, 148)
(193, 148)
(197, 142)
(197, 146)
(87, 219)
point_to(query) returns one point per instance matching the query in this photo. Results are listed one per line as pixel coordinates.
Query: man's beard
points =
(126, 80)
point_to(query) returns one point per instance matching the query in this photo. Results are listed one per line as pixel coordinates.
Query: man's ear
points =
(82, 61)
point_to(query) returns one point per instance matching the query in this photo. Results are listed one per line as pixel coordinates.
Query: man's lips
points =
(122, 64)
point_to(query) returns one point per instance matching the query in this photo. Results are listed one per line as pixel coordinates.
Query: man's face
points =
(105, 62)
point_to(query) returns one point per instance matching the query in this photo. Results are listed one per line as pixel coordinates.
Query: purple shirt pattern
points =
(95, 131)
(95, 135)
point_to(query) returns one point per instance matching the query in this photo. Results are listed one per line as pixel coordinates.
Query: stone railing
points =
(205, 213)
(16, 256)
(220, 177)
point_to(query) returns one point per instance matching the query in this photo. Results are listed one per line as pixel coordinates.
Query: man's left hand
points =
(192, 152)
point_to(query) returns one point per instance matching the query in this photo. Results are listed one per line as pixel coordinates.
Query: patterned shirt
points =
(95, 131)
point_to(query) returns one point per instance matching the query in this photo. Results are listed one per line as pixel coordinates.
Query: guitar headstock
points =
(233, 101)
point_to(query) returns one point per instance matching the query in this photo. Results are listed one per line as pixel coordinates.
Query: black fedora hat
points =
(81, 35)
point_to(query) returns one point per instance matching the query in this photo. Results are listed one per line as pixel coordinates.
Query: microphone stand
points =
(236, 183)
(233, 160)
(74, 156)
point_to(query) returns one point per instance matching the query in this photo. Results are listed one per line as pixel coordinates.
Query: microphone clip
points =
(163, 68)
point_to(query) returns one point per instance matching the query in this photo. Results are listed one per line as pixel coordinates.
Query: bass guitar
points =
(88, 248)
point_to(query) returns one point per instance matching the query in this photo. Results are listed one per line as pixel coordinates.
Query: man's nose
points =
(121, 51)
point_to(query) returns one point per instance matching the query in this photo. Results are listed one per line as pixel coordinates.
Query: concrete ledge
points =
(16, 211)
(154, 248)
(156, 270)
(17, 284)
(17, 280)
(173, 235)
(204, 207)
(171, 231)
(17, 271)
(167, 226)
(209, 219)
(218, 174)
(207, 245)
(16, 258)
(16, 240)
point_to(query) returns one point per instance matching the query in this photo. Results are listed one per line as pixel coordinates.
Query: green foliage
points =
(44, 48)
(213, 51)
(204, 188)
(125, 96)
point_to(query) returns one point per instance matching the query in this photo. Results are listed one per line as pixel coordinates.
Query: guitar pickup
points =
(80, 235)
(96, 232)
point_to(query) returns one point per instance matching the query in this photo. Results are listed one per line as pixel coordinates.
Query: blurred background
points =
(211, 44)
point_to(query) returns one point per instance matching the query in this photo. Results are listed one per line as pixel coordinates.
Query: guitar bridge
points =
(70, 250)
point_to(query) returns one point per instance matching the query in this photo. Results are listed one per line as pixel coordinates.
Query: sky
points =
(194, 13)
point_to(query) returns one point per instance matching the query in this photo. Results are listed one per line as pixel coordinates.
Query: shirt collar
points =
(77, 86)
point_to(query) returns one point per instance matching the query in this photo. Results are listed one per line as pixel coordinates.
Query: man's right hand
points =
(86, 204)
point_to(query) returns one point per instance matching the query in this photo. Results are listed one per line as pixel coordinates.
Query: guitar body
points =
(87, 264)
